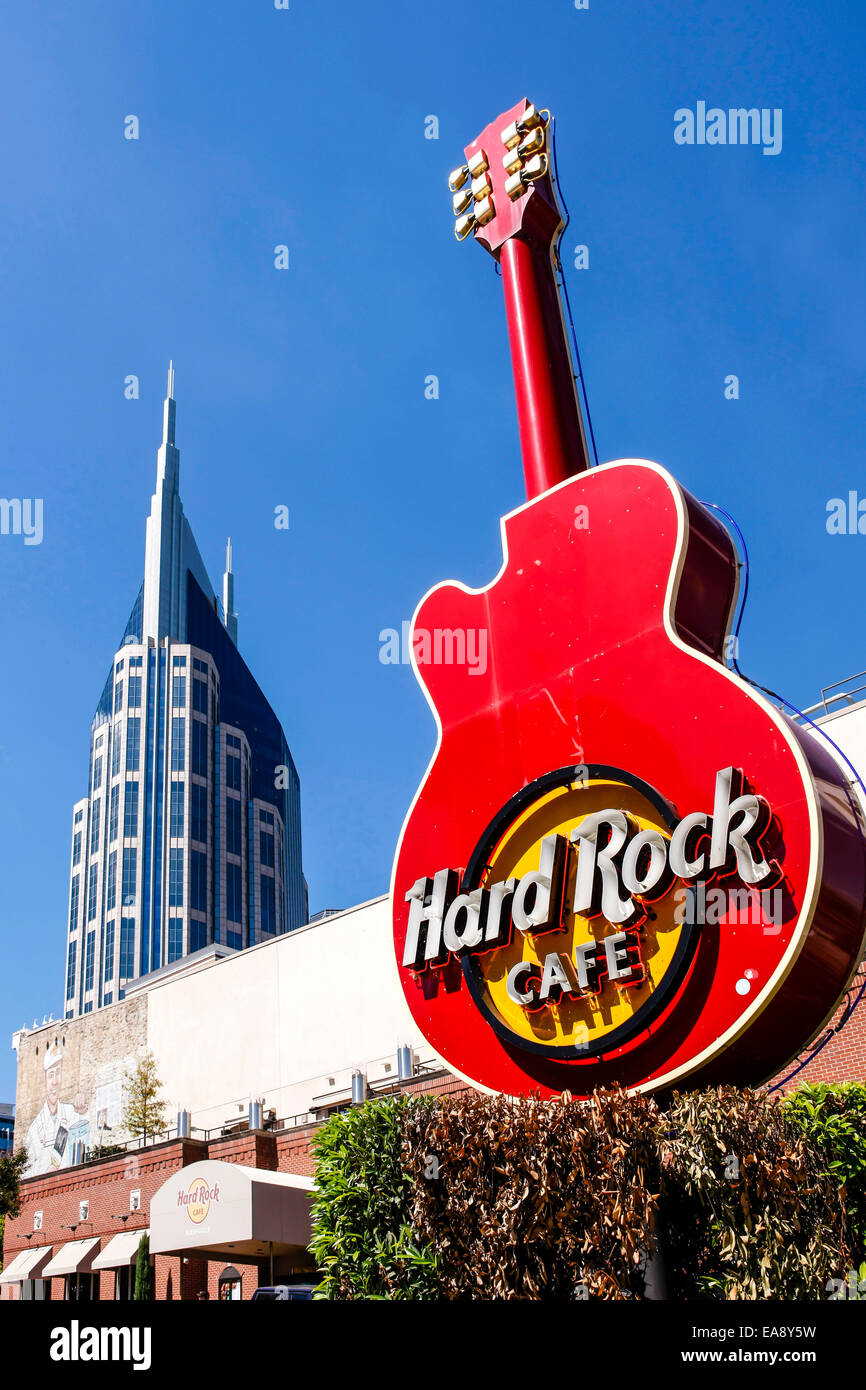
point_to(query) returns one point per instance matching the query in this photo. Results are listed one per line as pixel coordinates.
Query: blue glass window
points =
(199, 748)
(175, 938)
(130, 865)
(175, 878)
(197, 935)
(127, 948)
(76, 847)
(178, 738)
(233, 772)
(94, 828)
(178, 692)
(70, 968)
(115, 750)
(175, 826)
(91, 893)
(97, 774)
(118, 695)
(111, 885)
(133, 741)
(198, 813)
(178, 661)
(269, 904)
(130, 809)
(134, 692)
(88, 960)
(199, 695)
(108, 958)
(198, 881)
(107, 998)
(233, 825)
(234, 909)
(112, 813)
(266, 848)
(73, 904)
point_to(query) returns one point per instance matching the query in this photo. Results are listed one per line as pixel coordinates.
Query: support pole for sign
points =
(271, 1262)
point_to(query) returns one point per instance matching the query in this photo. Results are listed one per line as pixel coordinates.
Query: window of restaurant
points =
(82, 1288)
(35, 1290)
(229, 1285)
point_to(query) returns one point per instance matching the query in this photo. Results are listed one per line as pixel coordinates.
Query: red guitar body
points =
(624, 864)
(605, 644)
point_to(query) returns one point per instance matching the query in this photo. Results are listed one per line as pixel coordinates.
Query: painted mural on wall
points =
(71, 1085)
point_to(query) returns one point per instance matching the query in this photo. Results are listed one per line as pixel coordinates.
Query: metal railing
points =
(273, 1124)
(851, 694)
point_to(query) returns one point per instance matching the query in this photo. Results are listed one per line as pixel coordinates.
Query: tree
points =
(11, 1172)
(144, 1112)
(12, 1168)
(143, 1290)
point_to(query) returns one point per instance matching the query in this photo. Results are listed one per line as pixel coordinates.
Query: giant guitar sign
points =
(606, 774)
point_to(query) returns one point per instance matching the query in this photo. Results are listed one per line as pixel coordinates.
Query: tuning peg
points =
(532, 143)
(461, 201)
(530, 119)
(512, 161)
(478, 163)
(510, 136)
(458, 177)
(463, 226)
(484, 211)
(481, 187)
(535, 168)
(514, 186)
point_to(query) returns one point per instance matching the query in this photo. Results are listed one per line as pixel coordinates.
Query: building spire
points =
(230, 617)
(169, 408)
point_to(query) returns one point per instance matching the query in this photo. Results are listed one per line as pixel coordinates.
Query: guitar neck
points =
(504, 196)
(552, 436)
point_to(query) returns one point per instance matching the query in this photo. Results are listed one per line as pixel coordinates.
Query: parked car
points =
(277, 1293)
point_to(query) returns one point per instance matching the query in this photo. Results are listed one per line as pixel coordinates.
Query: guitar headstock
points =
(505, 186)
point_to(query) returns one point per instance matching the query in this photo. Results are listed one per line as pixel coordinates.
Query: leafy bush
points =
(362, 1239)
(833, 1118)
(479, 1197)
(748, 1208)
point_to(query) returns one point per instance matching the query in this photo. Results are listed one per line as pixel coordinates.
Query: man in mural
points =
(48, 1138)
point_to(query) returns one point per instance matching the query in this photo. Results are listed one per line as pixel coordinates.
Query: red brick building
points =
(50, 1220)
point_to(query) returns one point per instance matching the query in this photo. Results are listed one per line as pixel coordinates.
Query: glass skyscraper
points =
(190, 833)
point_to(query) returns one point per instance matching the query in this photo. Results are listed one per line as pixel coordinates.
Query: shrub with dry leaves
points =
(535, 1199)
(749, 1209)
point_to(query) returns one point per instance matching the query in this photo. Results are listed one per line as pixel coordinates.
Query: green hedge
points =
(833, 1118)
(362, 1238)
(476, 1197)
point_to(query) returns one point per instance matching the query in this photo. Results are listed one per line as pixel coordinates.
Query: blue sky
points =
(305, 387)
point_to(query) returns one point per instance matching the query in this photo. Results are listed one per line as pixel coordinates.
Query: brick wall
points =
(843, 1057)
